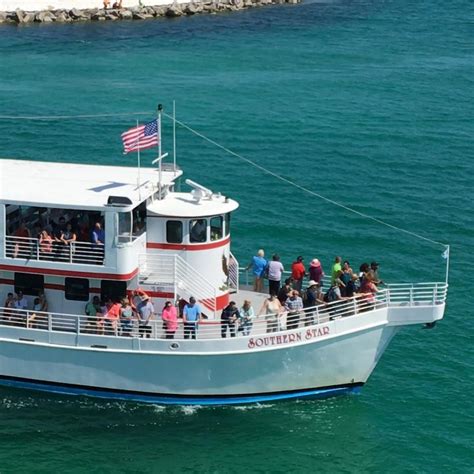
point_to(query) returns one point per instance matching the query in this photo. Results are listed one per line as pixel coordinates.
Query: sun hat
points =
(312, 283)
(144, 297)
(315, 263)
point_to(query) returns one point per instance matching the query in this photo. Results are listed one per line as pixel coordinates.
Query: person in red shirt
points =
(298, 272)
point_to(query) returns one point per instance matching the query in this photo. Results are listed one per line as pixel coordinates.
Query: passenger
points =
(22, 244)
(363, 270)
(45, 245)
(9, 305)
(334, 295)
(126, 317)
(170, 320)
(352, 286)
(258, 265)
(146, 312)
(271, 309)
(20, 301)
(98, 241)
(369, 290)
(246, 315)
(294, 306)
(335, 269)
(68, 236)
(316, 272)
(191, 318)
(229, 316)
(33, 316)
(285, 290)
(20, 305)
(93, 310)
(274, 269)
(117, 5)
(112, 318)
(311, 298)
(374, 269)
(41, 318)
(98, 235)
(346, 276)
(298, 272)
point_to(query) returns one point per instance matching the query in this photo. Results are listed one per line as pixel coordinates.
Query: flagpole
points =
(138, 174)
(447, 263)
(160, 108)
(174, 137)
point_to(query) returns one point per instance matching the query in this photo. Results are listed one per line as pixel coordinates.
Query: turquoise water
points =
(367, 102)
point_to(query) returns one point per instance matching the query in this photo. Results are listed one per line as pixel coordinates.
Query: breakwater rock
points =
(20, 17)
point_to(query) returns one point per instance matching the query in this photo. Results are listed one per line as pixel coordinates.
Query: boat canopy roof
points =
(76, 186)
(186, 205)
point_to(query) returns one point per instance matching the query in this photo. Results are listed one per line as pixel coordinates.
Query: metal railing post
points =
(411, 295)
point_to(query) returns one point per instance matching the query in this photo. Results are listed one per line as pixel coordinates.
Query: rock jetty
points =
(20, 17)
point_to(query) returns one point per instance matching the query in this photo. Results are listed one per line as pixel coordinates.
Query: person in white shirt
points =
(274, 270)
(20, 301)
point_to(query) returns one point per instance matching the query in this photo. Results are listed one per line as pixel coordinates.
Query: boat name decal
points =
(300, 336)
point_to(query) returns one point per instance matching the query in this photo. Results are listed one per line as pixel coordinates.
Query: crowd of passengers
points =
(286, 307)
(289, 301)
(55, 239)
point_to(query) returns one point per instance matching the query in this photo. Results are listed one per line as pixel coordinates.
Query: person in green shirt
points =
(336, 268)
(92, 310)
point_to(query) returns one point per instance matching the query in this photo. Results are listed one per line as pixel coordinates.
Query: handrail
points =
(261, 324)
(172, 273)
(30, 248)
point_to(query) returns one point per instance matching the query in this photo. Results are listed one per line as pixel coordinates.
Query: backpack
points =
(330, 295)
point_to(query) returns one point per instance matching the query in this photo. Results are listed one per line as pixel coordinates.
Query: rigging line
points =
(65, 117)
(302, 188)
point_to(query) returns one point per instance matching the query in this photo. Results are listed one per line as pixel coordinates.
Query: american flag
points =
(141, 137)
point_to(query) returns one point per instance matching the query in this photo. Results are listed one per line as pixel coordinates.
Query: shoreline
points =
(137, 12)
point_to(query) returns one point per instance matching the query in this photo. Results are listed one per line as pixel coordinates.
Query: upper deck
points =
(76, 186)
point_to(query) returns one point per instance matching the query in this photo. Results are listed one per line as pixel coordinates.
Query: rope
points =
(66, 117)
(237, 155)
(302, 188)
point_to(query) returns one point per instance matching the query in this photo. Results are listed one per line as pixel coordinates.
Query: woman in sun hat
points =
(316, 271)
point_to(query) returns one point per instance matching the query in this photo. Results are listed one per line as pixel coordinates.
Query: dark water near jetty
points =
(366, 102)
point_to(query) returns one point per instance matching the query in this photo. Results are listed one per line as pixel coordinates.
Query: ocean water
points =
(367, 102)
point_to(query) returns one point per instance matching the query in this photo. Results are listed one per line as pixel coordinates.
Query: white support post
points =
(174, 137)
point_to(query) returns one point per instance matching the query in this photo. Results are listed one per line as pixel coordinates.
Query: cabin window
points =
(174, 232)
(139, 220)
(29, 283)
(227, 224)
(76, 289)
(198, 230)
(114, 290)
(216, 227)
(124, 226)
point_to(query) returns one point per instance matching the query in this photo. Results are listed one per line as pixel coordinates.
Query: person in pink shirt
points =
(170, 320)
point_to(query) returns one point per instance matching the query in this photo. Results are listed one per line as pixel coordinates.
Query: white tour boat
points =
(171, 245)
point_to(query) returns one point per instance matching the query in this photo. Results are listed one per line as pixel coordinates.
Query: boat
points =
(165, 244)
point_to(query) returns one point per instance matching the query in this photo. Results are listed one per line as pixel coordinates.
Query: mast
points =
(160, 108)
(174, 137)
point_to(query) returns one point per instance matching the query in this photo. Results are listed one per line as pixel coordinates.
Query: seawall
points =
(67, 11)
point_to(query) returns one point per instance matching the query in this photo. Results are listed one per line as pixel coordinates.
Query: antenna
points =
(199, 192)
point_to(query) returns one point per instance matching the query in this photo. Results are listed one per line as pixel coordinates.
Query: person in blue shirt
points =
(191, 318)
(258, 266)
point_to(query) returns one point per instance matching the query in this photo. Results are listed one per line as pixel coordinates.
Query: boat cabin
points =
(74, 231)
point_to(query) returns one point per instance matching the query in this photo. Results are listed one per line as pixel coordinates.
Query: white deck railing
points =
(75, 252)
(407, 295)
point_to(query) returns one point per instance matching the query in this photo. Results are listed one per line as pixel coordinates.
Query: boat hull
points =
(306, 367)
